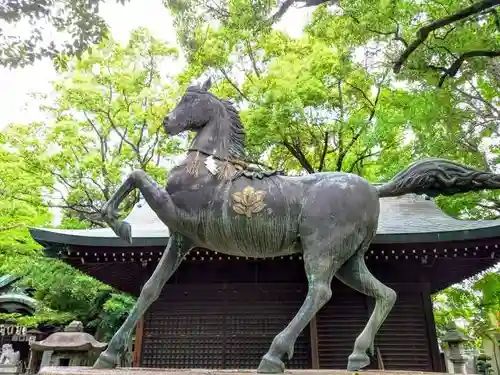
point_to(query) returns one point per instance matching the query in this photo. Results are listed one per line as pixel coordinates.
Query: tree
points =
(28, 208)
(64, 294)
(306, 107)
(106, 122)
(78, 18)
(315, 109)
(473, 302)
(424, 36)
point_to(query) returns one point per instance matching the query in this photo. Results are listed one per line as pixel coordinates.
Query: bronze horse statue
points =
(214, 200)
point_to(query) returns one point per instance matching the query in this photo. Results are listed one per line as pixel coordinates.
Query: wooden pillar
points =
(139, 331)
(437, 366)
(313, 330)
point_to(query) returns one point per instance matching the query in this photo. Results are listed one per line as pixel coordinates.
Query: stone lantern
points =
(72, 347)
(455, 340)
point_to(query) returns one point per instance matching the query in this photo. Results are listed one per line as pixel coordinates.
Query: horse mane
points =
(236, 131)
(236, 138)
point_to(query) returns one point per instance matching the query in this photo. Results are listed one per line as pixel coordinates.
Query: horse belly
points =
(258, 236)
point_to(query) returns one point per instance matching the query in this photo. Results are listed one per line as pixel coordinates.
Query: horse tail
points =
(438, 177)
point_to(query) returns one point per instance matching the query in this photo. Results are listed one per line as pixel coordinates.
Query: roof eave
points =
(48, 237)
(445, 236)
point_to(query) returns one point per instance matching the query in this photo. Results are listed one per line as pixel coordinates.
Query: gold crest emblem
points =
(248, 201)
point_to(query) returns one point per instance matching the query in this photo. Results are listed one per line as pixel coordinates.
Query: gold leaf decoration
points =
(248, 201)
(239, 209)
(237, 197)
(257, 207)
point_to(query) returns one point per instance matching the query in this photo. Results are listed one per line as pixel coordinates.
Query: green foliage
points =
(473, 302)
(106, 122)
(311, 104)
(114, 312)
(77, 18)
(483, 366)
(64, 294)
(103, 122)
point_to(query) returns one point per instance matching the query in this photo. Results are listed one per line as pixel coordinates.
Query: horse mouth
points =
(172, 129)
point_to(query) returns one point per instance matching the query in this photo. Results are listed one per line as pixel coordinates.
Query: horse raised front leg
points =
(154, 194)
(355, 274)
(177, 248)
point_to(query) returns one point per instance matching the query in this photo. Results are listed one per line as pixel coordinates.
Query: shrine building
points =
(18, 300)
(219, 311)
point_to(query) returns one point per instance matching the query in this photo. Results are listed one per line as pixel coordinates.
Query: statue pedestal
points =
(159, 371)
(8, 369)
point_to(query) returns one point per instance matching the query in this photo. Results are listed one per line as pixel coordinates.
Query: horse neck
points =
(214, 138)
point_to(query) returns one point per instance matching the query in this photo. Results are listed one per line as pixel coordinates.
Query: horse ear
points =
(207, 84)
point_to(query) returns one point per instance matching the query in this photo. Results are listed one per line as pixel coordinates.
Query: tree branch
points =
(453, 69)
(18, 225)
(396, 33)
(149, 154)
(299, 155)
(252, 58)
(279, 13)
(226, 76)
(362, 157)
(121, 135)
(343, 153)
(481, 99)
(324, 152)
(340, 146)
(423, 32)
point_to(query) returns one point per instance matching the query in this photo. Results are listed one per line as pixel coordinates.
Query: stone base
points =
(8, 369)
(159, 371)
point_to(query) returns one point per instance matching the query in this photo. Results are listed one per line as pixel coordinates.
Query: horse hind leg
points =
(356, 275)
(323, 254)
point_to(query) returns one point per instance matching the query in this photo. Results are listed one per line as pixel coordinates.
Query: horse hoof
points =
(105, 361)
(125, 231)
(357, 362)
(271, 365)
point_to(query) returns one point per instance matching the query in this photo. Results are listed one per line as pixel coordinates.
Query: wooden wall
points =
(231, 325)
(406, 340)
(221, 325)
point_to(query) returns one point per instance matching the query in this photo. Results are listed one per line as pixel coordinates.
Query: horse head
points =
(216, 122)
(195, 109)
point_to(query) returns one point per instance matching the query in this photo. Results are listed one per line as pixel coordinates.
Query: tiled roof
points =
(409, 218)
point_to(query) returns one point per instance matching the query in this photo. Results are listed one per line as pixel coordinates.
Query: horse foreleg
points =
(154, 194)
(177, 248)
(355, 274)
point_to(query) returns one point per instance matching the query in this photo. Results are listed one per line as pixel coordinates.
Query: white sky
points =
(16, 85)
